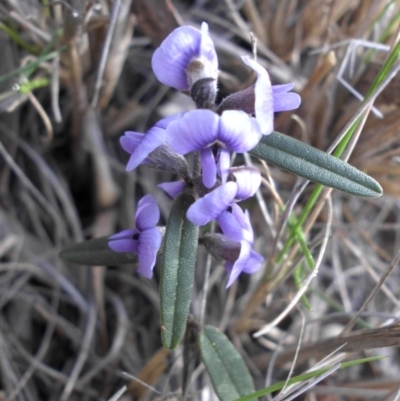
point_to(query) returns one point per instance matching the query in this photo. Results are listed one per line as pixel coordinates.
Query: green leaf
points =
(229, 375)
(305, 376)
(95, 252)
(177, 274)
(315, 165)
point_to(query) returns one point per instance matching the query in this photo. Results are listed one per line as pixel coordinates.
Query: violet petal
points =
(284, 88)
(126, 234)
(240, 263)
(212, 205)
(147, 213)
(130, 141)
(254, 263)
(170, 60)
(164, 122)
(124, 245)
(238, 131)
(264, 106)
(195, 130)
(173, 189)
(209, 168)
(207, 49)
(224, 162)
(244, 220)
(152, 140)
(286, 101)
(230, 226)
(235, 224)
(148, 245)
(248, 180)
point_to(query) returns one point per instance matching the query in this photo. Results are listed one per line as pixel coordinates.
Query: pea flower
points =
(185, 57)
(215, 203)
(262, 99)
(145, 239)
(214, 136)
(236, 226)
(149, 149)
(235, 245)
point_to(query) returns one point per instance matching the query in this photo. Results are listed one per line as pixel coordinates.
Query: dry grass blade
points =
(356, 341)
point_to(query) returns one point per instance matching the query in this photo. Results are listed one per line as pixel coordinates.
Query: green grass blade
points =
(304, 377)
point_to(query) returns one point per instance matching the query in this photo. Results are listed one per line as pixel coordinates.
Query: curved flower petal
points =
(181, 46)
(148, 245)
(248, 180)
(230, 226)
(264, 105)
(286, 101)
(147, 213)
(170, 60)
(150, 141)
(130, 141)
(244, 219)
(209, 169)
(212, 205)
(235, 224)
(126, 234)
(236, 268)
(238, 131)
(195, 130)
(124, 245)
(173, 189)
(164, 122)
(224, 162)
(284, 88)
(254, 263)
(207, 49)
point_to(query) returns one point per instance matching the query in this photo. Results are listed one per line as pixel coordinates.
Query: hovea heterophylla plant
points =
(242, 122)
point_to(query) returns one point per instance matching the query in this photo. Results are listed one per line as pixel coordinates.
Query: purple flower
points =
(141, 145)
(149, 149)
(248, 262)
(268, 98)
(283, 99)
(184, 57)
(214, 136)
(235, 246)
(216, 202)
(145, 239)
(236, 226)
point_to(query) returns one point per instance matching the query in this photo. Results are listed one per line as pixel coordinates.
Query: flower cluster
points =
(187, 61)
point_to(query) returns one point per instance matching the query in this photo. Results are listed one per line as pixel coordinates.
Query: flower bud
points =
(204, 93)
(221, 247)
(164, 159)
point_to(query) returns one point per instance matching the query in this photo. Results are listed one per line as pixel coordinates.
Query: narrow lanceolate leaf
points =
(177, 275)
(229, 374)
(315, 165)
(95, 252)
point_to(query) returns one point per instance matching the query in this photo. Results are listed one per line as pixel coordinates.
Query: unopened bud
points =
(221, 247)
(165, 159)
(202, 78)
(204, 92)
